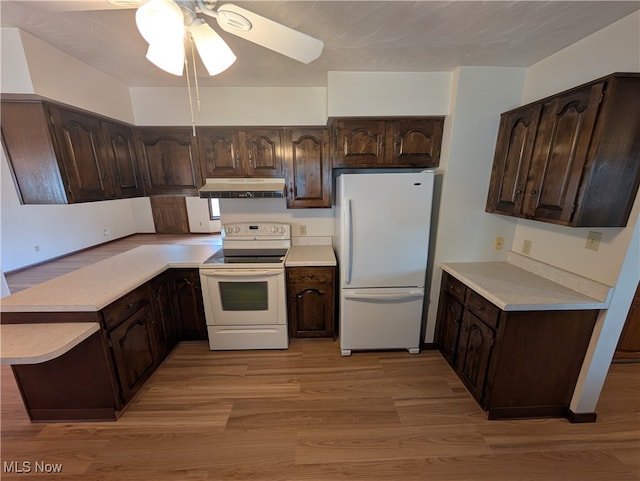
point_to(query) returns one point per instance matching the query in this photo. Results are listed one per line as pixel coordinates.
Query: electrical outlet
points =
(499, 243)
(526, 247)
(593, 240)
(105, 232)
(36, 248)
(303, 229)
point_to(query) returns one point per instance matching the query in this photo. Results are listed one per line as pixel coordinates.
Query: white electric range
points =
(243, 287)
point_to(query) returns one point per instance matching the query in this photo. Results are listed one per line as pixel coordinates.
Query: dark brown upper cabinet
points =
(307, 167)
(232, 152)
(60, 155)
(83, 155)
(573, 158)
(169, 160)
(121, 148)
(386, 142)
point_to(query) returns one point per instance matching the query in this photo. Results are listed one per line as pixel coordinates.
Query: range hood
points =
(243, 188)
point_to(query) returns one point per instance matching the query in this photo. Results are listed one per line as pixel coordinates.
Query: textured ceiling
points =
(413, 36)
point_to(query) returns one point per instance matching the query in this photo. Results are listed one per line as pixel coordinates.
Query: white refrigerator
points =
(382, 243)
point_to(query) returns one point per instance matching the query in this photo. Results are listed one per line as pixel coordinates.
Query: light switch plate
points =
(526, 247)
(499, 243)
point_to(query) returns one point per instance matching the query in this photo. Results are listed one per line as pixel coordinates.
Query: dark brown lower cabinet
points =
(189, 305)
(311, 292)
(628, 348)
(95, 380)
(134, 347)
(516, 364)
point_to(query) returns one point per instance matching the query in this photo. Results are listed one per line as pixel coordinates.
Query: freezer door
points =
(383, 231)
(380, 319)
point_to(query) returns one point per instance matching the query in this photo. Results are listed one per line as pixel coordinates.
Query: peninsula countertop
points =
(95, 286)
(524, 284)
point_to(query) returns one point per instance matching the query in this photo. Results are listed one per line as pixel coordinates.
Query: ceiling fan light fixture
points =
(159, 19)
(167, 55)
(214, 52)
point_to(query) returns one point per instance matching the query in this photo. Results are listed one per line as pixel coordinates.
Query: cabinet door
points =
(560, 152)
(414, 142)
(629, 343)
(358, 143)
(514, 147)
(163, 310)
(263, 153)
(133, 344)
(169, 158)
(448, 326)
(308, 168)
(474, 352)
(121, 151)
(220, 152)
(189, 304)
(83, 155)
(311, 292)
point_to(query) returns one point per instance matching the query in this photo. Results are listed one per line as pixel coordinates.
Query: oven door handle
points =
(241, 273)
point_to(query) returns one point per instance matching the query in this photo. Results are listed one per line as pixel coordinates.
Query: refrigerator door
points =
(382, 228)
(380, 319)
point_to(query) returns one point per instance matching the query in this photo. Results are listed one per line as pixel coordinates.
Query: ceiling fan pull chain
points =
(193, 120)
(195, 74)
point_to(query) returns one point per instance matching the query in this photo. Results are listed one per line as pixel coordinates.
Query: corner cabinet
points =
(307, 167)
(515, 364)
(169, 160)
(311, 305)
(59, 155)
(560, 159)
(386, 142)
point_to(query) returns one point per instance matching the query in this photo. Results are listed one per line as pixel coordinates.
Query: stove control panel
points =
(256, 231)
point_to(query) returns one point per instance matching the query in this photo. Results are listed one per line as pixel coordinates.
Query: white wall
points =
(199, 217)
(59, 229)
(615, 48)
(388, 93)
(231, 106)
(465, 233)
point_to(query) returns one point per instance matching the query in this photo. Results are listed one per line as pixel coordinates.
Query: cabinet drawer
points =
(454, 287)
(310, 274)
(483, 309)
(127, 305)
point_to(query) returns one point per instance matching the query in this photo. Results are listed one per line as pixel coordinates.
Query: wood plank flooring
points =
(307, 413)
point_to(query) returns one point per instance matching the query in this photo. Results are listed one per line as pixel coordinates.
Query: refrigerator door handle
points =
(348, 230)
(383, 296)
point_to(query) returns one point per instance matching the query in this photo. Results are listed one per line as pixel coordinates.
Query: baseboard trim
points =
(581, 417)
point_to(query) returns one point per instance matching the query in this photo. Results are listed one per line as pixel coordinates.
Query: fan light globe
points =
(167, 55)
(214, 52)
(159, 19)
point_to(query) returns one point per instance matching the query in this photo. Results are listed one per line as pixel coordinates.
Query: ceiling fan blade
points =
(270, 34)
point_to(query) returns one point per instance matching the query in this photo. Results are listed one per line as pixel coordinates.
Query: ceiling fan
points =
(163, 24)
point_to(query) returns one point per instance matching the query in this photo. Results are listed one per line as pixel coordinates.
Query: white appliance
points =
(243, 288)
(382, 243)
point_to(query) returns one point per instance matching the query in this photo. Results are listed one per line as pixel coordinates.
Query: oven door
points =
(239, 297)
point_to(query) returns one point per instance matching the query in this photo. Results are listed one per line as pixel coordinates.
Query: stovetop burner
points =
(248, 256)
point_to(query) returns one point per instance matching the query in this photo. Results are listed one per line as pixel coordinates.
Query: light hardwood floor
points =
(307, 413)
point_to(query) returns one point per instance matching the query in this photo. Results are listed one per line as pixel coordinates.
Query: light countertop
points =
(523, 284)
(310, 255)
(95, 286)
(36, 343)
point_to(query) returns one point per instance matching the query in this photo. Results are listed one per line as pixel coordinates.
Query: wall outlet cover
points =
(526, 247)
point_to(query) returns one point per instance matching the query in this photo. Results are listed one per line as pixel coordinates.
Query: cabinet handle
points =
(186, 281)
(534, 192)
(518, 192)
